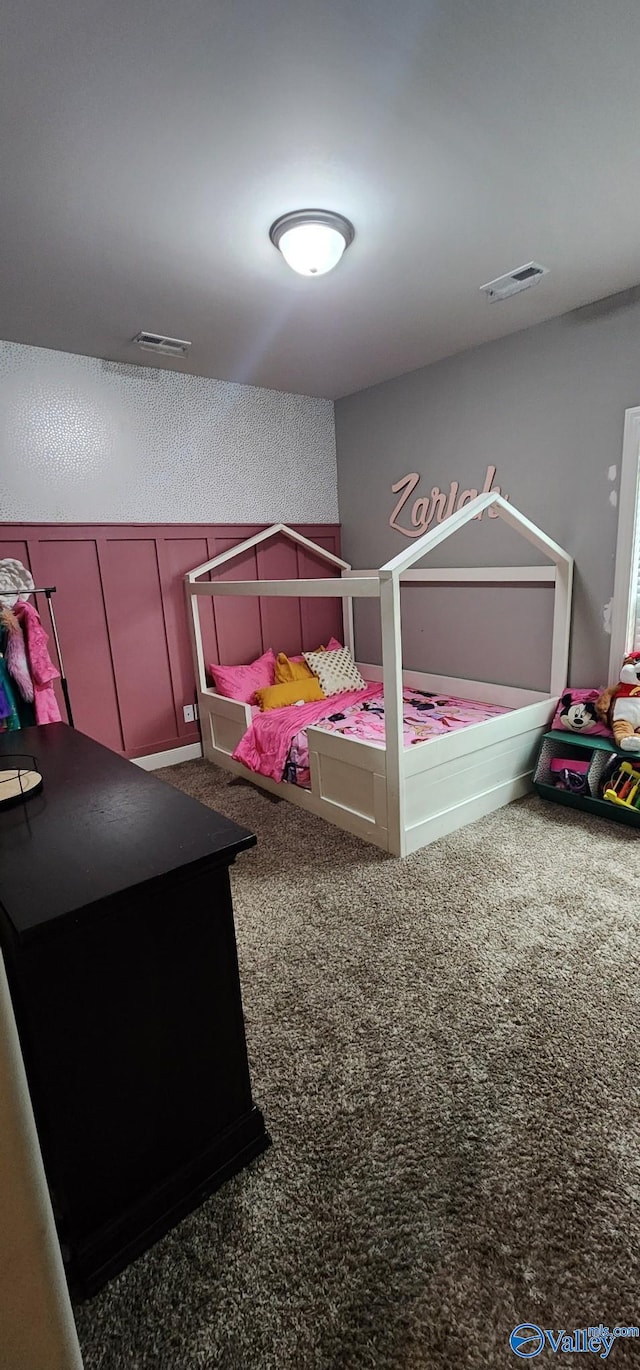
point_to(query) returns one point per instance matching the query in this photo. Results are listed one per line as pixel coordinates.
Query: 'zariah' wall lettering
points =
(437, 506)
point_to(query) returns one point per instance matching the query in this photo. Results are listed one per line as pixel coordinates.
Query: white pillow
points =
(336, 671)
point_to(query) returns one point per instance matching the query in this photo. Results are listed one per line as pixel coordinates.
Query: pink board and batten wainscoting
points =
(121, 613)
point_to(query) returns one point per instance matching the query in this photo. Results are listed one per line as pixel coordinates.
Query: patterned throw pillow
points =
(336, 671)
(241, 682)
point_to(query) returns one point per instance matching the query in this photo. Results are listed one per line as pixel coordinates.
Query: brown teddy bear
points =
(619, 706)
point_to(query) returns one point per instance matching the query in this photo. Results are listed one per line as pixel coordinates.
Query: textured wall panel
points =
(175, 557)
(238, 624)
(321, 618)
(89, 440)
(121, 609)
(277, 560)
(73, 567)
(133, 594)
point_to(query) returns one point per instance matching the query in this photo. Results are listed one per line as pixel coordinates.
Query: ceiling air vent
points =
(514, 281)
(169, 347)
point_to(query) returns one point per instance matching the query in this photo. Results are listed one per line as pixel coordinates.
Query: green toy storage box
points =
(566, 744)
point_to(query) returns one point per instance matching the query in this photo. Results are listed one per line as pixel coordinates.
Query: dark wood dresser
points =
(117, 929)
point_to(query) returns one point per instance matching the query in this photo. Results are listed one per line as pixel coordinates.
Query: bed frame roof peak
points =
(274, 530)
(434, 536)
(407, 558)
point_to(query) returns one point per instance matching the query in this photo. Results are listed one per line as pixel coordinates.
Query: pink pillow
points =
(241, 682)
(576, 713)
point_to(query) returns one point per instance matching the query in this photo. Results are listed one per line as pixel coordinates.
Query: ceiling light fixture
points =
(312, 241)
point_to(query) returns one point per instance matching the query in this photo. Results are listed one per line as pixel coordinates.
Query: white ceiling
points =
(147, 145)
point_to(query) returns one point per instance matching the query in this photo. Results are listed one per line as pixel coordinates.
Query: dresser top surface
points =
(99, 826)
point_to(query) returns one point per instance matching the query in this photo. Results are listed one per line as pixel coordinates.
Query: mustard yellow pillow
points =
(292, 668)
(276, 696)
(288, 670)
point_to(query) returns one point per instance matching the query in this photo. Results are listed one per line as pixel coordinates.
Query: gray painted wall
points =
(96, 441)
(546, 407)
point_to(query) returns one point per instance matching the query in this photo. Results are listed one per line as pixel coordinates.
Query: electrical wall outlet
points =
(189, 715)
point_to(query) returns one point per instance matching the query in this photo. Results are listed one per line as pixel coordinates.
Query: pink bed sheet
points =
(276, 743)
(265, 745)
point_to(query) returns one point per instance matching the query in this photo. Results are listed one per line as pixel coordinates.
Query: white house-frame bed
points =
(399, 797)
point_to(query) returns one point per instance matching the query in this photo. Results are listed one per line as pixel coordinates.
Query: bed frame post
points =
(561, 626)
(347, 625)
(392, 682)
(195, 633)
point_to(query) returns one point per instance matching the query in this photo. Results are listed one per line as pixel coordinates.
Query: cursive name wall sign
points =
(437, 506)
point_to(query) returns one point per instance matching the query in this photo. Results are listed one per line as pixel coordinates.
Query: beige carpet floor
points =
(447, 1052)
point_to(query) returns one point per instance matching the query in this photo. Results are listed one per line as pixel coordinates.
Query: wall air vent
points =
(168, 347)
(514, 281)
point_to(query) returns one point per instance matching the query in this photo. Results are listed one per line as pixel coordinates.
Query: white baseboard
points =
(173, 757)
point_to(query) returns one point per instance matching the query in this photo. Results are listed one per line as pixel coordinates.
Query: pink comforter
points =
(276, 742)
(265, 745)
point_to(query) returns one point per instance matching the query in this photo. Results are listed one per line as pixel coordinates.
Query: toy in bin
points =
(568, 774)
(623, 786)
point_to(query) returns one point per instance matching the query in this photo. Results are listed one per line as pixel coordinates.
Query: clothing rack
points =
(48, 591)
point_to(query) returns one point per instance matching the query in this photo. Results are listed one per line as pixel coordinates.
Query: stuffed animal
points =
(577, 715)
(620, 705)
